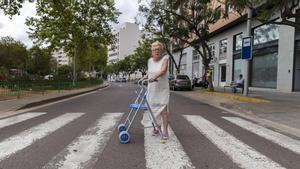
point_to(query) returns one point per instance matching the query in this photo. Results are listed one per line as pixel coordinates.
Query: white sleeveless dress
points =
(158, 92)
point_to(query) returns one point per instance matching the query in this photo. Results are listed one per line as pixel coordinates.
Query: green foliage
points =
(141, 55)
(64, 73)
(13, 54)
(183, 24)
(134, 62)
(39, 62)
(12, 7)
(265, 10)
(81, 28)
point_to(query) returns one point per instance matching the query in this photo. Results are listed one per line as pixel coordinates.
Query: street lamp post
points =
(248, 33)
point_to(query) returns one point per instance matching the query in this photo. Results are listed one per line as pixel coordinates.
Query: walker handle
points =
(151, 81)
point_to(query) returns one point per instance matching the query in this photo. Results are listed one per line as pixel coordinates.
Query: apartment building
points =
(127, 37)
(275, 64)
(61, 57)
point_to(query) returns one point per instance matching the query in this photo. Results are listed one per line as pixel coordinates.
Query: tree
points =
(64, 73)
(159, 22)
(141, 55)
(39, 61)
(73, 25)
(264, 10)
(189, 22)
(13, 54)
(11, 7)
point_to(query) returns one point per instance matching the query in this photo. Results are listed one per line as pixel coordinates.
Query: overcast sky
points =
(17, 29)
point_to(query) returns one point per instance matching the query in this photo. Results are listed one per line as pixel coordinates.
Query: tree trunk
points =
(208, 74)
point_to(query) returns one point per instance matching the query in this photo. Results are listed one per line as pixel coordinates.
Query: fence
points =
(10, 90)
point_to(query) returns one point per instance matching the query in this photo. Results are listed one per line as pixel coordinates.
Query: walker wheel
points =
(122, 127)
(124, 137)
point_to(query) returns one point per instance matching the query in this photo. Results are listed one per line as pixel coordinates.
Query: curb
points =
(263, 122)
(236, 97)
(41, 102)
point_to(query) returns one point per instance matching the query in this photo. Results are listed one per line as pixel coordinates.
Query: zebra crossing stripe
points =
(20, 141)
(280, 139)
(19, 118)
(85, 150)
(168, 156)
(243, 155)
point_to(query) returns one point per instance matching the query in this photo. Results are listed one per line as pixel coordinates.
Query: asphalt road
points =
(81, 133)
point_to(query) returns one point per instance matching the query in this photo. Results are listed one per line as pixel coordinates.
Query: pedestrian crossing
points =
(87, 148)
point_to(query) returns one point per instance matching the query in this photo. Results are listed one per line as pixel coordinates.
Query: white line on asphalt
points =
(280, 139)
(85, 150)
(243, 155)
(168, 156)
(19, 118)
(18, 142)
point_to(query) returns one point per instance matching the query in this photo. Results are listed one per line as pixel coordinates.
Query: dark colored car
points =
(122, 80)
(200, 82)
(180, 82)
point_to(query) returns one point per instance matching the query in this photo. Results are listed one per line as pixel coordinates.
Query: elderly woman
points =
(158, 91)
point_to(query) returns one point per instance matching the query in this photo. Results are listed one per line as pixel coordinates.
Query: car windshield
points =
(182, 77)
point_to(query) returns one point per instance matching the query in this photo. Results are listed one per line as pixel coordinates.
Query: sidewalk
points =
(274, 109)
(30, 101)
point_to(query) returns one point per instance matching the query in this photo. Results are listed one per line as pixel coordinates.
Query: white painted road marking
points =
(280, 139)
(17, 119)
(20, 141)
(243, 155)
(167, 156)
(84, 151)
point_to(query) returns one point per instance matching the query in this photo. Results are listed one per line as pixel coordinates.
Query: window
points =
(196, 55)
(266, 33)
(228, 9)
(264, 70)
(223, 73)
(223, 49)
(183, 64)
(237, 40)
(212, 50)
(218, 11)
(237, 69)
(195, 69)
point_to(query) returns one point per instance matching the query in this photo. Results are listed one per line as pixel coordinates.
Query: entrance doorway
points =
(297, 67)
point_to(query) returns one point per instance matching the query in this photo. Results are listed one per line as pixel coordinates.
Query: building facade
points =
(61, 57)
(275, 63)
(127, 37)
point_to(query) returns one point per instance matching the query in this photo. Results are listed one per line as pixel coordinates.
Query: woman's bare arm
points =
(163, 70)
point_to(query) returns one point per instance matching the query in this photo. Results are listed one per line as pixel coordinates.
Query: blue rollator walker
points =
(140, 103)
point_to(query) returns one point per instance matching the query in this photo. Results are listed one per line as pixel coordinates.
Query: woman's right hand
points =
(151, 80)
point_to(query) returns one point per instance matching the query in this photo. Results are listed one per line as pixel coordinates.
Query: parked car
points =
(200, 82)
(180, 82)
(123, 80)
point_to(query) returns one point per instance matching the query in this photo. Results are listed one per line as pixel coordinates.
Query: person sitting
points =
(239, 84)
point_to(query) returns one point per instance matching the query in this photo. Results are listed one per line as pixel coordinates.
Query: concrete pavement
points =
(274, 109)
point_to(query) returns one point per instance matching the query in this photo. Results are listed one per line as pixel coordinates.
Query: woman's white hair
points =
(157, 43)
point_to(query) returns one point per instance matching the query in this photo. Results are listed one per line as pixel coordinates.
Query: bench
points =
(227, 85)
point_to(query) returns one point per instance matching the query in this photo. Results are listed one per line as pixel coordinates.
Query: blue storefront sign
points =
(247, 48)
